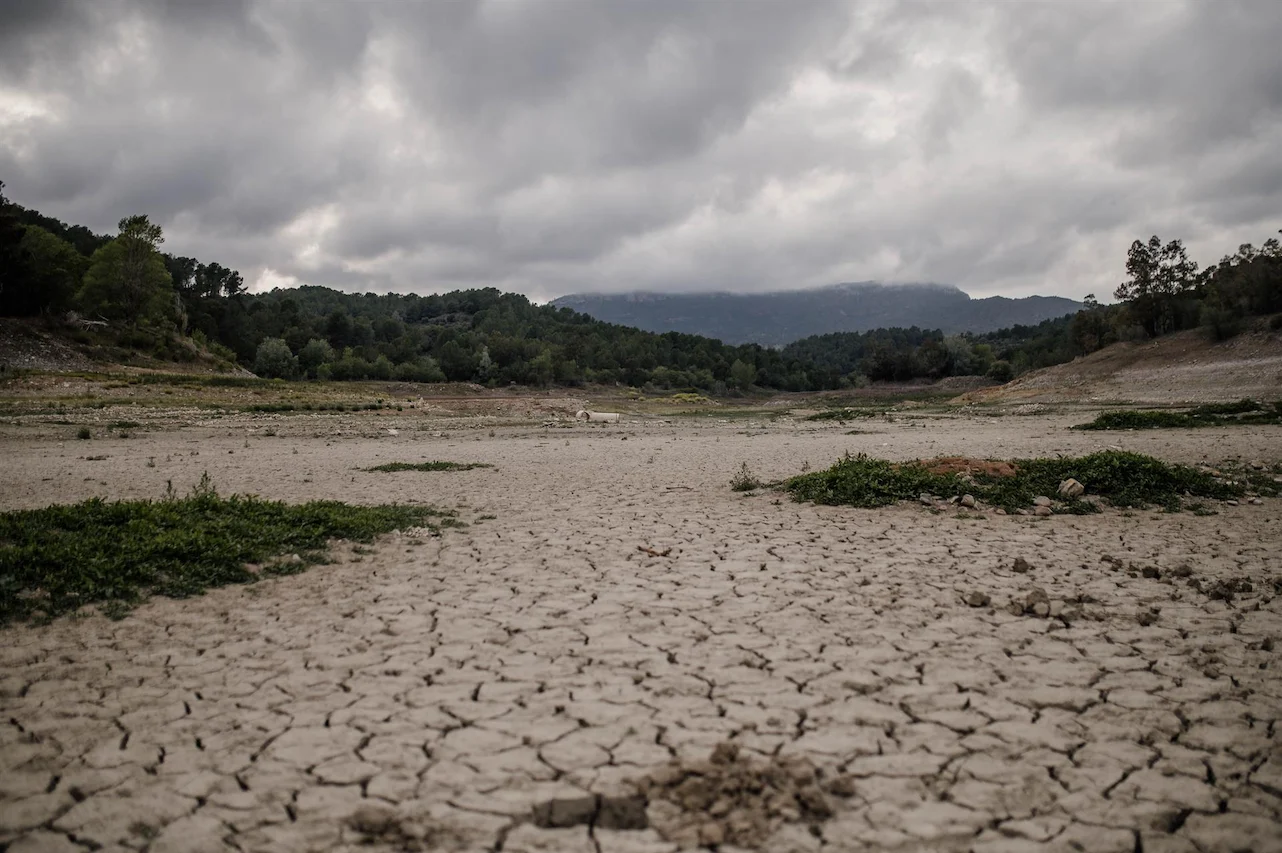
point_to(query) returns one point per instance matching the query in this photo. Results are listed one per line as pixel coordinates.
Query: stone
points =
(1037, 603)
(1021, 566)
(627, 812)
(968, 501)
(925, 499)
(1042, 510)
(1041, 500)
(372, 820)
(1231, 502)
(568, 811)
(978, 599)
(1070, 489)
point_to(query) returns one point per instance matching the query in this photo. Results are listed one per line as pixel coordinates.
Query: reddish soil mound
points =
(966, 465)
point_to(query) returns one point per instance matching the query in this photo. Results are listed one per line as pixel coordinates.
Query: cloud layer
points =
(559, 146)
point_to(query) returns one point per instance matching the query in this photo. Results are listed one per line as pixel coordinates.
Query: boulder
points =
(1070, 489)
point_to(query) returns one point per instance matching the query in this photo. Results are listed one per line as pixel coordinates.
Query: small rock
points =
(1151, 572)
(1037, 603)
(1041, 500)
(626, 812)
(978, 599)
(1041, 510)
(1259, 466)
(565, 812)
(925, 499)
(1257, 501)
(1022, 512)
(711, 834)
(844, 787)
(1000, 512)
(1146, 618)
(372, 820)
(1231, 503)
(954, 499)
(1070, 488)
(968, 501)
(1021, 566)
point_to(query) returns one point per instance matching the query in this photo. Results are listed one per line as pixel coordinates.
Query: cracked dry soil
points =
(787, 677)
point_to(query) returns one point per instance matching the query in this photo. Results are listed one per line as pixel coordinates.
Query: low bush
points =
(1243, 412)
(1121, 478)
(429, 466)
(57, 559)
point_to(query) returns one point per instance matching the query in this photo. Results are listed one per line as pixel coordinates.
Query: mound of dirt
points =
(1186, 367)
(966, 465)
(25, 346)
(733, 799)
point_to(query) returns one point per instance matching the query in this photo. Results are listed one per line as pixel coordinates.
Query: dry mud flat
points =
(787, 677)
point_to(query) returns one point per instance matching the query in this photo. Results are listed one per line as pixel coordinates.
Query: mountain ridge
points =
(777, 318)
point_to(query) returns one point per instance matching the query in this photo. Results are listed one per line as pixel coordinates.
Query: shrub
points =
(274, 360)
(57, 559)
(84, 434)
(1001, 371)
(429, 466)
(1124, 479)
(744, 480)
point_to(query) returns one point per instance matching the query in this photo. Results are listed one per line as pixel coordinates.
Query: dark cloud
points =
(561, 145)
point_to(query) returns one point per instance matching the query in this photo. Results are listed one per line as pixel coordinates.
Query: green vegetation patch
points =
(1123, 479)
(843, 414)
(56, 559)
(429, 466)
(1243, 412)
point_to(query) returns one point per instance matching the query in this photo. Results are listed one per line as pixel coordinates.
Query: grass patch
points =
(843, 415)
(429, 466)
(744, 480)
(57, 559)
(1123, 479)
(1243, 412)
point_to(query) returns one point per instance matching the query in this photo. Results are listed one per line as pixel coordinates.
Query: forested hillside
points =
(126, 290)
(779, 318)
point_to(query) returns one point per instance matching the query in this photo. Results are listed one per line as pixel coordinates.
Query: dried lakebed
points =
(788, 677)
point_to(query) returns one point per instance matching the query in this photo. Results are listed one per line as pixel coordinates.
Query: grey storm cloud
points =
(566, 145)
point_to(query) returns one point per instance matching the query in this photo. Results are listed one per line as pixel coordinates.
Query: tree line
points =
(153, 301)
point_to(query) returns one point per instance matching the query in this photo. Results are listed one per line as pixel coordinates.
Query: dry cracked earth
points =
(627, 656)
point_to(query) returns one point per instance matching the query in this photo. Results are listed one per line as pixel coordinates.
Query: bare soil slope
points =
(1181, 368)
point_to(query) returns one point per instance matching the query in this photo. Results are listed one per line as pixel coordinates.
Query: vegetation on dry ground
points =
(429, 466)
(1123, 479)
(135, 299)
(1241, 413)
(57, 559)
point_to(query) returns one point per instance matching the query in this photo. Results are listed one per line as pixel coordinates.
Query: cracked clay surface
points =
(436, 693)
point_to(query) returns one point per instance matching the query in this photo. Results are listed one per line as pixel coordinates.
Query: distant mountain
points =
(778, 318)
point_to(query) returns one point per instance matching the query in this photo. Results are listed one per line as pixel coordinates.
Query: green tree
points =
(742, 374)
(1159, 276)
(54, 268)
(313, 354)
(274, 360)
(127, 279)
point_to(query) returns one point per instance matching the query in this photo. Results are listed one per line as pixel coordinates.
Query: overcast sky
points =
(559, 146)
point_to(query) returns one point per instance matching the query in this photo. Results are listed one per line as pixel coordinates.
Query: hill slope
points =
(1185, 367)
(778, 318)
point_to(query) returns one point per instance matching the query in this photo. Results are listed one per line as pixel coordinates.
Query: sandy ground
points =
(1180, 369)
(447, 688)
